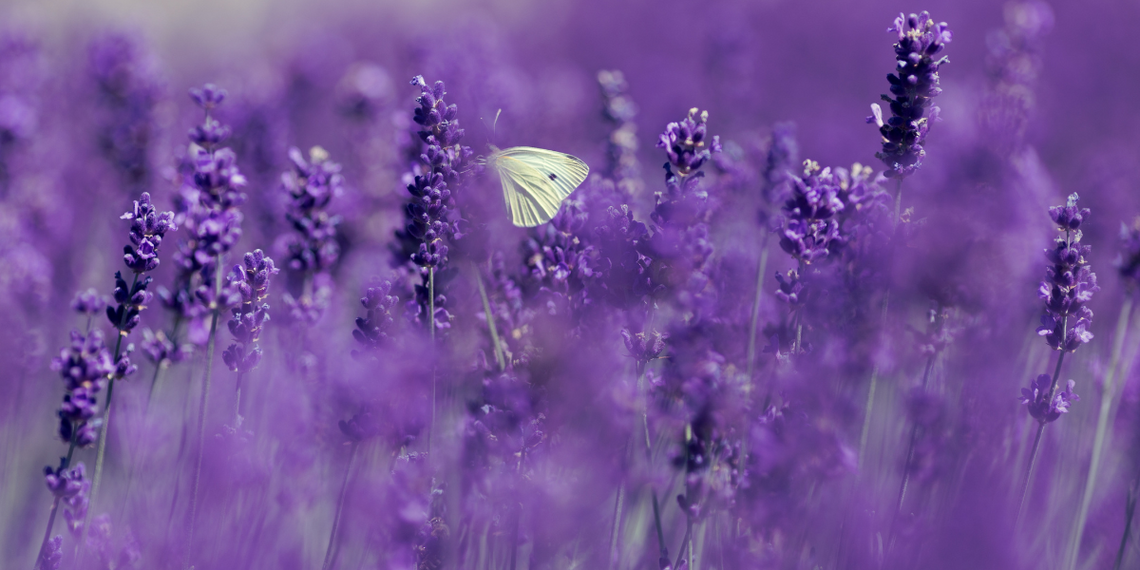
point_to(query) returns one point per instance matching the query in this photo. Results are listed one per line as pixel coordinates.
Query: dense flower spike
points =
(430, 221)
(312, 246)
(212, 190)
(375, 326)
(251, 281)
(147, 230)
(311, 186)
(684, 142)
(914, 85)
(85, 365)
(810, 229)
(70, 486)
(129, 91)
(1069, 282)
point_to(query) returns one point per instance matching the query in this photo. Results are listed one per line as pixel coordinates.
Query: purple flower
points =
(375, 326)
(1069, 282)
(914, 86)
(148, 227)
(810, 229)
(85, 365)
(1128, 259)
(1036, 398)
(70, 487)
(129, 91)
(684, 142)
(88, 302)
(311, 186)
(251, 281)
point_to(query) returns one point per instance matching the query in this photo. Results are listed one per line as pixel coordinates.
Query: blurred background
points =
(336, 74)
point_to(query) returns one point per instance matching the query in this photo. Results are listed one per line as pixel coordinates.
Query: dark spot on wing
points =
(553, 176)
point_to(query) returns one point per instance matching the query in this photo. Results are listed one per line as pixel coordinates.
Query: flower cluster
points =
(1069, 283)
(70, 486)
(429, 214)
(914, 85)
(619, 108)
(312, 246)
(85, 365)
(212, 190)
(810, 229)
(148, 227)
(129, 91)
(1128, 258)
(375, 326)
(251, 281)
(1043, 408)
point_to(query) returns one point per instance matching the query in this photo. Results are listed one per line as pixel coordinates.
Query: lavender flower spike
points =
(148, 227)
(684, 142)
(251, 280)
(1069, 283)
(914, 85)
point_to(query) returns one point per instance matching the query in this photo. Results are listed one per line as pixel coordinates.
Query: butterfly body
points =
(536, 181)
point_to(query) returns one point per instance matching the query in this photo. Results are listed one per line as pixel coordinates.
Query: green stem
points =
(105, 429)
(1037, 438)
(615, 529)
(339, 506)
(237, 402)
(1101, 433)
(1129, 509)
(431, 327)
(205, 400)
(909, 453)
(55, 503)
(755, 324)
(499, 358)
(649, 460)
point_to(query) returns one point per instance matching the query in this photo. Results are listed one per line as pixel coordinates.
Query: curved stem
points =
(205, 400)
(1101, 434)
(339, 506)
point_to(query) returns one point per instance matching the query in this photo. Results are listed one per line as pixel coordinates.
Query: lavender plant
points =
(615, 389)
(1069, 284)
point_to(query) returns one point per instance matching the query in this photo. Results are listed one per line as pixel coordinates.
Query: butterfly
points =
(536, 181)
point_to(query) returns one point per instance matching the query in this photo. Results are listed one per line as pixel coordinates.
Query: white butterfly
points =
(536, 181)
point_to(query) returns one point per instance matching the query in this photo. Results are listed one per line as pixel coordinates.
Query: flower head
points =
(251, 281)
(914, 85)
(1044, 410)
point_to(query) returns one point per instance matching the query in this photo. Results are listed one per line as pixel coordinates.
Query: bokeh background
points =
(1018, 133)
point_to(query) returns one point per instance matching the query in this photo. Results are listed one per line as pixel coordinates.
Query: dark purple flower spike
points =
(914, 85)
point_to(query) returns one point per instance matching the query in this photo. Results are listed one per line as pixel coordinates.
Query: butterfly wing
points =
(536, 181)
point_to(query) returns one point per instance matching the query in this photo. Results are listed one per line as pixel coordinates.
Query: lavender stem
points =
(339, 506)
(205, 399)
(54, 505)
(754, 325)
(1040, 428)
(105, 429)
(1101, 432)
(1129, 509)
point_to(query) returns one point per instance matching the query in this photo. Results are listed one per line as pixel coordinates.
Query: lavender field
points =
(844, 288)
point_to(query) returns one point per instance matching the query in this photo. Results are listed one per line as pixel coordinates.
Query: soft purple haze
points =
(740, 344)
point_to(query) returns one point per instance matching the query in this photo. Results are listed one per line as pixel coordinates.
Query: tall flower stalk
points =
(148, 227)
(217, 185)
(250, 281)
(1069, 284)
